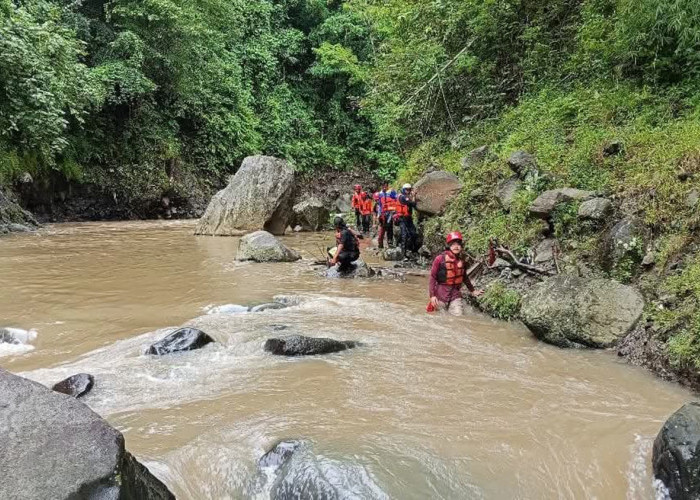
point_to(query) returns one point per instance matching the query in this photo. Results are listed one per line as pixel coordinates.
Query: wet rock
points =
(692, 199)
(311, 214)
(54, 447)
(522, 163)
(424, 251)
(544, 204)
(434, 190)
(569, 311)
(474, 157)
(392, 254)
(359, 269)
(183, 339)
(613, 148)
(676, 455)
(505, 192)
(14, 218)
(544, 251)
(595, 209)
(267, 307)
(261, 246)
(299, 345)
(75, 385)
(259, 196)
(17, 336)
(500, 263)
(279, 454)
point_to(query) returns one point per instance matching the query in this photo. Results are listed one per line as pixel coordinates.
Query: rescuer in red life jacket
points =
(366, 211)
(448, 274)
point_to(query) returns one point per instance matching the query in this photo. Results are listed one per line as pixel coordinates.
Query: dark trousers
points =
(366, 221)
(345, 260)
(385, 227)
(358, 219)
(408, 235)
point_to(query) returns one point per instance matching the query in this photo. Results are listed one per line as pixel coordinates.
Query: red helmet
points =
(454, 236)
(364, 195)
(375, 196)
(357, 187)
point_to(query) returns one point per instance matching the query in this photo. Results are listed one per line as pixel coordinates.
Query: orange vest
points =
(401, 209)
(454, 268)
(366, 206)
(388, 203)
(356, 201)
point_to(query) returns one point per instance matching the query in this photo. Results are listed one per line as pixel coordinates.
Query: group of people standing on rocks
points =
(449, 271)
(385, 209)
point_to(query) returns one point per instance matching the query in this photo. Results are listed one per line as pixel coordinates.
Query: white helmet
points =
(406, 186)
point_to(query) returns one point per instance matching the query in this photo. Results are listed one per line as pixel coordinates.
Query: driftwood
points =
(504, 252)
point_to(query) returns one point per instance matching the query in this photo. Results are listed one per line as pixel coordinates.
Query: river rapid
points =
(429, 407)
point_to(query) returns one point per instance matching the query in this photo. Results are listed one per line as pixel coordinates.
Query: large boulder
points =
(523, 164)
(259, 196)
(676, 456)
(544, 204)
(311, 215)
(261, 246)
(569, 311)
(54, 447)
(76, 385)
(14, 218)
(299, 345)
(183, 339)
(343, 204)
(434, 190)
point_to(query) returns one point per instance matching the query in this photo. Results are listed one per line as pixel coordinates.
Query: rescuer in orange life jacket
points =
(357, 206)
(448, 274)
(366, 211)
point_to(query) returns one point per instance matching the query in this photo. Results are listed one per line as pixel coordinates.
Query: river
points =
(429, 407)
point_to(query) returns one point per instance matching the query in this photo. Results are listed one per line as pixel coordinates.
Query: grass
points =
(500, 302)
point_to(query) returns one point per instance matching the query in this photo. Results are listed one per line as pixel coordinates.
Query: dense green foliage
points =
(500, 302)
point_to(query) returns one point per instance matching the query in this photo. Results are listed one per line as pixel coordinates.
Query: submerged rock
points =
(76, 385)
(267, 307)
(359, 269)
(261, 246)
(17, 336)
(299, 345)
(259, 196)
(569, 311)
(676, 456)
(434, 190)
(279, 454)
(53, 447)
(184, 339)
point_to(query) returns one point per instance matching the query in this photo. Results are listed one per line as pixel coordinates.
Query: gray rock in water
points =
(569, 311)
(14, 218)
(392, 254)
(17, 336)
(676, 456)
(183, 339)
(311, 214)
(434, 190)
(259, 196)
(595, 209)
(505, 191)
(279, 454)
(299, 345)
(261, 246)
(54, 447)
(522, 163)
(267, 307)
(544, 204)
(359, 269)
(75, 385)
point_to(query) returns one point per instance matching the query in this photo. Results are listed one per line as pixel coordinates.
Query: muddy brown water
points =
(430, 407)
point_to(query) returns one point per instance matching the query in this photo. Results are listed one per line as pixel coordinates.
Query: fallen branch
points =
(504, 252)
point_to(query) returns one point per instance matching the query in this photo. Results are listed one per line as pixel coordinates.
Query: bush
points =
(500, 302)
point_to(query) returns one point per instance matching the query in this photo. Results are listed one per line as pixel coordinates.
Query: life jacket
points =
(451, 270)
(388, 203)
(402, 210)
(366, 206)
(356, 201)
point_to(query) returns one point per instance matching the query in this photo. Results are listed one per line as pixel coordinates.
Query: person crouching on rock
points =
(347, 246)
(447, 275)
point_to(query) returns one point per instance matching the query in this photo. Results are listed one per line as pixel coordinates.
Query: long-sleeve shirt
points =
(407, 201)
(446, 293)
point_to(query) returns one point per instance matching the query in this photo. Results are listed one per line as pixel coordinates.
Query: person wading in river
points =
(447, 275)
(347, 246)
